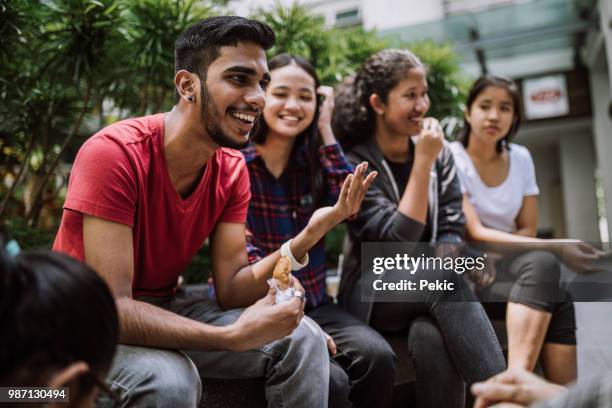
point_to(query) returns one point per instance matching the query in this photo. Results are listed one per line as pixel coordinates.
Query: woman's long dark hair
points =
(479, 86)
(309, 141)
(354, 119)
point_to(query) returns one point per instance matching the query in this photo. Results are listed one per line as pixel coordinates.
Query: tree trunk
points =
(39, 195)
(19, 177)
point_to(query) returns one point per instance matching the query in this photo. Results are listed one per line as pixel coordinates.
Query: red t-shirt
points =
(120, 175)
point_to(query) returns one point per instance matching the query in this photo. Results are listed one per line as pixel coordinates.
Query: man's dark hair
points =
(198, 46)
(54, 311)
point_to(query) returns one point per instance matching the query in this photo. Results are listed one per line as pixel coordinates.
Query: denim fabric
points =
(295, 368)
(146, 377)
(365, 356)
(424, 344)
(460, 332)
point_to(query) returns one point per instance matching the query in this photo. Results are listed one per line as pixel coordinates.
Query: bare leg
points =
(559, 362)
(526, 328)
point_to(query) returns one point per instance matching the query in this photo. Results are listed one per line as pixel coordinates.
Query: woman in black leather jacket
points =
(380, 118)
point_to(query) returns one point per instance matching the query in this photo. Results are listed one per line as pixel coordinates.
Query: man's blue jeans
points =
(295, 368)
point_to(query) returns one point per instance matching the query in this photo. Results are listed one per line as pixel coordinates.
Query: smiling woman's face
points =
(291, 101)
(407, 104)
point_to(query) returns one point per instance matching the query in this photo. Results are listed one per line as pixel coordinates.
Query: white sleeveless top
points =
(497, 207)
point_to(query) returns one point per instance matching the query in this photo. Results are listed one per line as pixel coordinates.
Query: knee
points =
(309, 340)
(376, 360)
(424, 339)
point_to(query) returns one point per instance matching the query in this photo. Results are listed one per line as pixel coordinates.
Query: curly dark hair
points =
(479, 86)
(353, 121)
(308, 142)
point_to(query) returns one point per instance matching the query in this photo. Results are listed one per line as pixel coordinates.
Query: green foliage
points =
(334, 52)
(151, 28)
(13, 17)
(70, 67)
(448, 86)
(29, 237)
(76, 36)
(62, 62)
(333, 245)
(351, 46)
(297, 31)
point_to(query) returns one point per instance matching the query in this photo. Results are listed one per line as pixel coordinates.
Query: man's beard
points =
(211, 119)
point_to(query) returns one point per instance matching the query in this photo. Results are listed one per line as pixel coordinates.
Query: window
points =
(348, 18)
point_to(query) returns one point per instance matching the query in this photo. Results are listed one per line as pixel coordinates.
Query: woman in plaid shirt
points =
(296, 166)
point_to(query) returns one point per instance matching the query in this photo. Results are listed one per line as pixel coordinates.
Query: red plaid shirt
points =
(280, 209)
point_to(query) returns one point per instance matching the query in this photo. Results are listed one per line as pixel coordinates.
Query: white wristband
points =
(285, 250)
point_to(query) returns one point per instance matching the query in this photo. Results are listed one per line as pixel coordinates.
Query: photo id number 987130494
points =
(34, 394)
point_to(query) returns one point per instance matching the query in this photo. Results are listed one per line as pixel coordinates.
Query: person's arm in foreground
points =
(576, 254)
(239, 284)
(109, 251)
(512, 388)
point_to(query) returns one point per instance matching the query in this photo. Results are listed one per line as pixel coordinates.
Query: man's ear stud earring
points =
(190, 98)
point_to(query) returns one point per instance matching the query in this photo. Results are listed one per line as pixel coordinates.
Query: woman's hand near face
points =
(325, 114)
(430, 142)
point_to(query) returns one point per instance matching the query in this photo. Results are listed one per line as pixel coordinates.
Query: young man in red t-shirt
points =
(143, 196)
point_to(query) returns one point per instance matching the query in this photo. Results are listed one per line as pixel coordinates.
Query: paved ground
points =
(594, 337)
(594, 325)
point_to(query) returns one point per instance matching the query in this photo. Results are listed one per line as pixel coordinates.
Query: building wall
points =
(602, 129)
(245, 8)
(565, 162)
(551, 212)
(329, 8)
(386, 14)
(379, 14)
(605, 11)
(523, 65)
(578, 176)
(601, 96)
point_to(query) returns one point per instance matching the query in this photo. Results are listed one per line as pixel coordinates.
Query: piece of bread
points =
(282, 272)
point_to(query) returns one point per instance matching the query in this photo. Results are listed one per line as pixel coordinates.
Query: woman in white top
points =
(500, 205)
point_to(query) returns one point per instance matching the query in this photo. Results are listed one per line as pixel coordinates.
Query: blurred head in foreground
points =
(59, 324)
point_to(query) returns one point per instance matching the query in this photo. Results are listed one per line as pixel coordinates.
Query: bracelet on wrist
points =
(285, 250)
